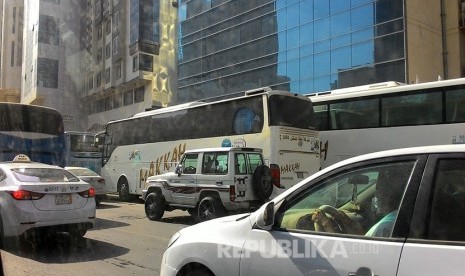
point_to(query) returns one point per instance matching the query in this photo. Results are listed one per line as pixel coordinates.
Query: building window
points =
(100, 105)
(108, 51)
(47, 72)
(116, 19)
(139, 94)
(115, 45)
(99, 32)
(135, 63)
(99, 79)
(91, 82)
(146, 62)
(117, 101)
(12, 53)
(118, 71)
(99, 54)
(108, 103)
(108, 27)
(14, 20)
(107, 75)
(49, 32)
(127, 98)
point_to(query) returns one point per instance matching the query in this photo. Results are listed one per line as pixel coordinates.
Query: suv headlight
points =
(173, 239)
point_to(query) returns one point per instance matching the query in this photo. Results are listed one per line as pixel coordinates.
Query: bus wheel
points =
(261, 182)
(210, 208)
(123, 191)
(154, 206)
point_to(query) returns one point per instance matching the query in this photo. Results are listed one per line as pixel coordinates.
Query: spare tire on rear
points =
(262, 182)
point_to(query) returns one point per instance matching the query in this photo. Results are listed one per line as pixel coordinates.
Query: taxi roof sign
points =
(21, 158)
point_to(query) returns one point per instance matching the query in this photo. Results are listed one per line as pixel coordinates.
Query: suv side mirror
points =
(178, 169)
(265, 219)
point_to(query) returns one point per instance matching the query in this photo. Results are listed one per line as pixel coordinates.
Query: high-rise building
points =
(305, 46)
(131, 64)
(52, 58)
(11, 45)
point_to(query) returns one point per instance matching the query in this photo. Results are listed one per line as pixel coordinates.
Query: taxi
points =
(36, 196)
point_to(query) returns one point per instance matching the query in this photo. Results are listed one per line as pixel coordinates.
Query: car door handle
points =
(362, 271)
(219, 183)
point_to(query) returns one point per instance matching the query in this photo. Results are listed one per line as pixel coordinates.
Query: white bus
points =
(389, 115)
(152, 142)
(80, 150)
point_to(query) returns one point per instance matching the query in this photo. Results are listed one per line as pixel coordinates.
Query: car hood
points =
(234, 228)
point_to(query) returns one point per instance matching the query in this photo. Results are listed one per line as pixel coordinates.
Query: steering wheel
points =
(330, 219)
(190, 169)
(327, 219)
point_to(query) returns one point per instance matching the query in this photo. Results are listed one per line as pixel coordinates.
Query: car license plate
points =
(63, 199)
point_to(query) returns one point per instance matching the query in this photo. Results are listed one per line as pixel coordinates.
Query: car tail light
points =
(275, 175)
(232, 193)
(87, 193)
(25, 195)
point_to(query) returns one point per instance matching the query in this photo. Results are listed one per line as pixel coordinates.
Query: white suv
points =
(210, 183)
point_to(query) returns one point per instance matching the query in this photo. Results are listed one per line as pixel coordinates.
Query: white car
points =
(36, 196)
(93, 178)
(399, 212)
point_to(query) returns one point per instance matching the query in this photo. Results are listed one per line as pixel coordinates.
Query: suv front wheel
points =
(210, 208)
(154, 206)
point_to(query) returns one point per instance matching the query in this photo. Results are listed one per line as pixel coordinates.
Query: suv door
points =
(214, 175)
(298, 246)
(184, 185)
(437, 239)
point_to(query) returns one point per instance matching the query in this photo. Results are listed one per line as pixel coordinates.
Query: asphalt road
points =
(122, 242)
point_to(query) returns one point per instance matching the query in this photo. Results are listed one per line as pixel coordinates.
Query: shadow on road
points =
(187, 220)
(62, 248)
(106, 224)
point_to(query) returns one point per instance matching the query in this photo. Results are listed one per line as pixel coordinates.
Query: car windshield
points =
(43, 175)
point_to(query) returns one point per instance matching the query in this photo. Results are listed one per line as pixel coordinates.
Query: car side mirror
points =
(358, 179)
(265, 219)
(178, 169)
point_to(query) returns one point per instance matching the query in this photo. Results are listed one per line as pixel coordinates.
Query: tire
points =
(210, 208)
(197, 271)
(193, 212)
(262, 182)
(123, 191)
(154, 206)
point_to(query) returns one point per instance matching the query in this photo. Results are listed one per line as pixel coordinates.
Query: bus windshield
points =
(83, 142)
(34, 119)
(291, 112)
(32, 130)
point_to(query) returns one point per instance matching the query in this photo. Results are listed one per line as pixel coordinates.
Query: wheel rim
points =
(124, 191)
(265, 183)
(150, 207)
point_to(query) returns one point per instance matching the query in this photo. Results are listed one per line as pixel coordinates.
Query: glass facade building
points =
(303, 46)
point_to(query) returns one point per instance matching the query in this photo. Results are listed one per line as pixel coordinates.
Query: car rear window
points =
(43, 175)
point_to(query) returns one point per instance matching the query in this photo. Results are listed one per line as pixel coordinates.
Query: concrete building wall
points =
(12, 13)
